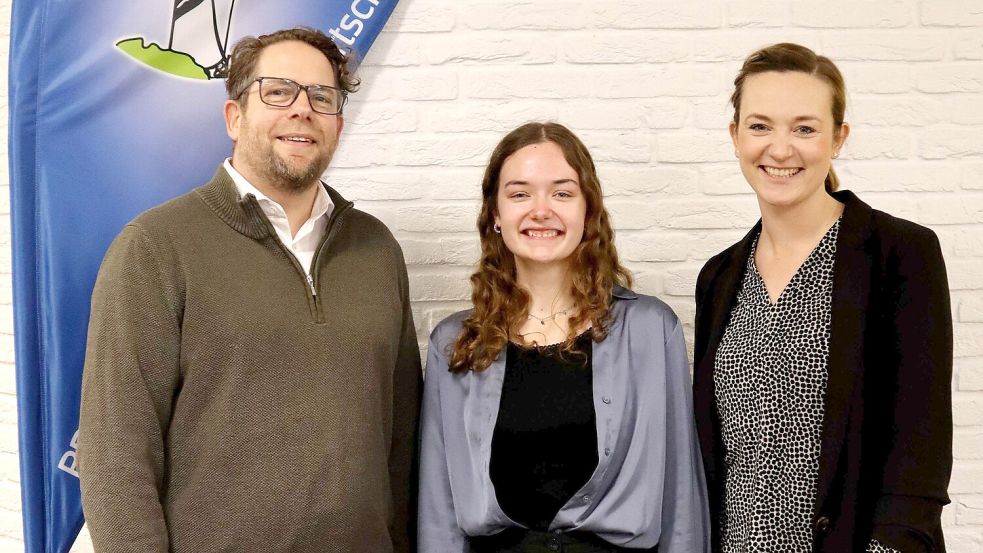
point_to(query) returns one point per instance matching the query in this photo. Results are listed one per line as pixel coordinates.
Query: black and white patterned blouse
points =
(770, 377)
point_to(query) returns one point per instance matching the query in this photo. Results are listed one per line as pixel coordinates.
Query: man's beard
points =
(276, 171)
(282, 176)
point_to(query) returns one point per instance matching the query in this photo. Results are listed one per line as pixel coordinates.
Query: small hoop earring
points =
(836, 155)
(497, 228)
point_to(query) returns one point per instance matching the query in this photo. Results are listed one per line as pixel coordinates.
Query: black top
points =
(544, 448)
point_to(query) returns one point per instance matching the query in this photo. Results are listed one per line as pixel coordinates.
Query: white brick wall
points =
(645, 84)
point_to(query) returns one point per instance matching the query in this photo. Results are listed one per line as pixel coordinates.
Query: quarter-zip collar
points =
(244, 215)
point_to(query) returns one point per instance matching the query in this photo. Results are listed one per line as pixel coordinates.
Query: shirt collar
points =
(322, 202)
(623, 293)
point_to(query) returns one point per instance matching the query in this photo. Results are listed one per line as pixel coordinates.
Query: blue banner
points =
(114, 107)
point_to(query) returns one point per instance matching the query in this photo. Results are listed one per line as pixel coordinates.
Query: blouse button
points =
(822, 525)
(607, 451)
(606, 399)
(586, 499)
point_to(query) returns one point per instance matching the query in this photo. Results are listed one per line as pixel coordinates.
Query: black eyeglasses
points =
(281, 93)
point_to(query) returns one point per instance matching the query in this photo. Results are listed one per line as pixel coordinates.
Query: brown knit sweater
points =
(226, 408)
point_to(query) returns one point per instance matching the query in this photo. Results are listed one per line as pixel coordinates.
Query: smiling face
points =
(286, 148)
(786, 137)
(540, 207)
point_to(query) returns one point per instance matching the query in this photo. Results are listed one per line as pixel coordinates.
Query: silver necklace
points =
(550, 317)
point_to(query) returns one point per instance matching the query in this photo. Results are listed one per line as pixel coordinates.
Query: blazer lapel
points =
(718, 300)
(851, 290)
(724, 292)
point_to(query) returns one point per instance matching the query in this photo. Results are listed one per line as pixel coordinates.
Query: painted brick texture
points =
(645, 84)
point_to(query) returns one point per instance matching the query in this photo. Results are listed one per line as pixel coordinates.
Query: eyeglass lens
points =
(282, 93)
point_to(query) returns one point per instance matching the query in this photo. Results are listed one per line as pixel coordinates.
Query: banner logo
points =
(197, 44)
(353, 23)
(69, 461)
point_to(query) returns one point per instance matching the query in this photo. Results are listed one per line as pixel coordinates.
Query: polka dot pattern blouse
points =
(770, 378)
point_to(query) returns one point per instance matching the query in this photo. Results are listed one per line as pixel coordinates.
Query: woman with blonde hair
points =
(823, 351)
(556, 411)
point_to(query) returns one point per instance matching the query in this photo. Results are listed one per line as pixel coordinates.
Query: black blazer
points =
(886, 445)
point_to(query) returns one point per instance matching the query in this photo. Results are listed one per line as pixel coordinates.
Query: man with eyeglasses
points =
(252, 376)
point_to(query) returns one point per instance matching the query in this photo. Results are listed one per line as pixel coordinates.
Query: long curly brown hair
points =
(501, 306)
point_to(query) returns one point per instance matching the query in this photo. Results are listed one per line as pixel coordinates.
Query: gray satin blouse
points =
(648, 488)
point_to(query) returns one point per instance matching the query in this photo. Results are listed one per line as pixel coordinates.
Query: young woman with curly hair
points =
(557, 411)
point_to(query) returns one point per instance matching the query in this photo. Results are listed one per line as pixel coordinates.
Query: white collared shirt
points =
(303, 244)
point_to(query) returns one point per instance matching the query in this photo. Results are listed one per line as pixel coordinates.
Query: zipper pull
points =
(310, 282)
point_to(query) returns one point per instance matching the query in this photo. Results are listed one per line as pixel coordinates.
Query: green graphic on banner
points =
(168, 61)
(196, 27)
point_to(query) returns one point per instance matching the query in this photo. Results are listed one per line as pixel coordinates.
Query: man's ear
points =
(233, 118)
